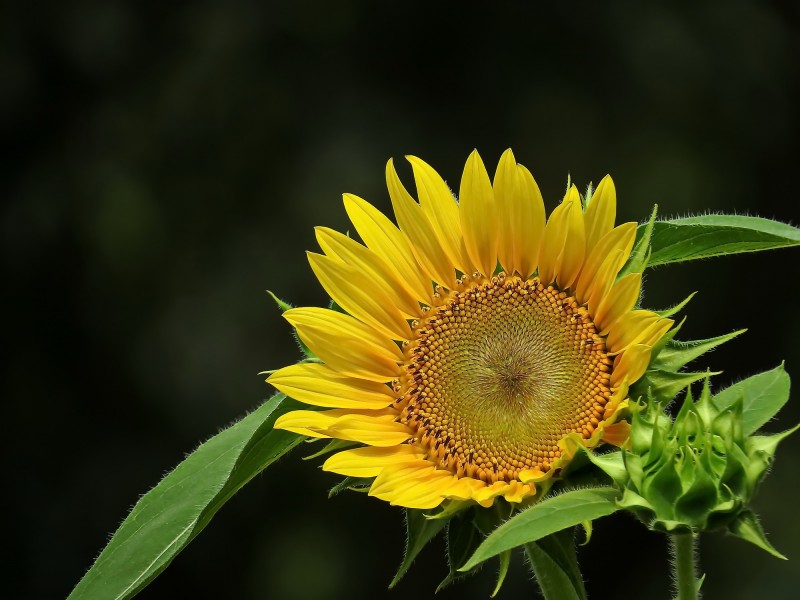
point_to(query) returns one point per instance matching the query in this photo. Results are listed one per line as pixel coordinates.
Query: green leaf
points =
(355, 484)
(462, 540)
(171, 515)
(546, 517)
(665, 385)
(677, 354)
(747, 527)
(678, 240)
(332, 446)
(421, 530)
(555, 565)
(282, 305)
(673, 310)
(640, 255)
(762, 396)
(505, 562)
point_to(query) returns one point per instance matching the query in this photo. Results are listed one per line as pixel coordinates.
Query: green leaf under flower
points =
(705, 236)
(174, 512)
(420, 531)
(543, 518)
(555, 566)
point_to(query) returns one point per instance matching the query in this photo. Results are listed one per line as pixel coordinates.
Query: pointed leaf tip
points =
(283, 306)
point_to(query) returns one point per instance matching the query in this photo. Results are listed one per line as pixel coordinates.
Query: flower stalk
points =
(684, 565)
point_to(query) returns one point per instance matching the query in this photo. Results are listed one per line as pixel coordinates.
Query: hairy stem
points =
(684, 565)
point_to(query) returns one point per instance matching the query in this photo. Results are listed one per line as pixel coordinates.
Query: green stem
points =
(684, 565)
(554, 563)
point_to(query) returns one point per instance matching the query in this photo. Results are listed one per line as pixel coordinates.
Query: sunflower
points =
(474, 340)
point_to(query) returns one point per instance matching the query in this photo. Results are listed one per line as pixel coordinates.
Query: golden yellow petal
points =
(463, 488)
(631, 364)
(518, 491)
(356, 293)
(553, 241)
(387, 241)
(319, 385)
(620, 238)
(426, 493)
(374, 431)
(442, 211)
(601, 212)
(604, 279)
(373, 427)
(485, 496)
(369, 461)
(619, 398)
(637, 327)
(393, 476)
(347, 250)
(527, 225)
(345, 344)
(532, 475)
(622, 297)
(617, 434)
(304, 422)
(424, 239)
(413, 485)
(574, 252)
(507, 195)
(478, 215)
(629, 329)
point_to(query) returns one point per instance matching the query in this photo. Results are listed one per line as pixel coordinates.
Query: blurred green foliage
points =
(166, 164)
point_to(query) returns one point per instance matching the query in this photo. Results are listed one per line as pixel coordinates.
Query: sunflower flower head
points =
(474, 338)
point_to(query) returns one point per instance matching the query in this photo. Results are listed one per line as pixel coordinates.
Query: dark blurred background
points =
(165, 166)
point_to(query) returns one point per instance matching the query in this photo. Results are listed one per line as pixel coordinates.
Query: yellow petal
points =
(622, 297)
(553, 240)
(305, 422)
(425, 494)
(527, 227)
(485, 496)
(388, 242)
(507, 193)
(637, 327)
(440, 208)
(601, 212)
(564, 242)
(604, 279)
(369, 461)
(345, 344)
(574, 252)
(619, 398)
(629, 328)
(356, 293)
(631, 364)
(413, 485)
(478, 210)
(319, 385)
(518, 491)
(347, 250)
(620, 238)
(617, 434)
(375, 431)
(532, 475)
(424, 239)
(377, 427)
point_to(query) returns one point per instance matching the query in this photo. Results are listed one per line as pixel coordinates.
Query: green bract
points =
(700, 471)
